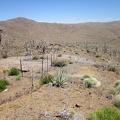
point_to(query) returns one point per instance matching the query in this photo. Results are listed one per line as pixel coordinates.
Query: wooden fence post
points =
(42, 67)
(21, 67)
(51, 60)
(47, 63)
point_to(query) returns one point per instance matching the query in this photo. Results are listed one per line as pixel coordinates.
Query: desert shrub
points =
(113, 91)
(14, 72)
(60, 78)
(117, 103)
(59, 63)
(42, 57)
(47, 79)
(59, 55)
(90, 82)
(112, 68)
(118, 89)
(106, 113)
(4, 56)
(117, 86)
(5, 71)
(18, 78)
(70, 62)
(35, 57)
(84, 77)
(98, 65)
(103, 88)
(97, 55)
(3, 84)
(117, 83)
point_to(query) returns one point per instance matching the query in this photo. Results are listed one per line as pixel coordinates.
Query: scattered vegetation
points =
(117, 103)
(113, 91)
(70, 62)
(117, 86)
(84, 77)
(103, 88)
(42, 57)
(4, 56)
(106, 113)
(3, 84)
(60, 78)
(35, 58)
(5, 71)
(59, 55)
(18, 78)
(47, 79)
(117, 83)
(14, 72)
(112, 68)
(97, 55)
(90, 82)
(59, 63)
(118, 89)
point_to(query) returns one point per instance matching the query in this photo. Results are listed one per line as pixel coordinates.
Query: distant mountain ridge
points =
(19, 30)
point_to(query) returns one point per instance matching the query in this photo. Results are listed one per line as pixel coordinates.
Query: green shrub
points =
(59, 55)
(70, 62)
(117, 83)
(118, 89)
(47, 79)
(3, 84)
(59, 63)
(14, 72)
(84, 77)
(18, 78)
(117, 103)
(5, 71)
(103, 88)
(106, 113)
(60, 79)
(91, 82)
(35, 58)
(113, 91)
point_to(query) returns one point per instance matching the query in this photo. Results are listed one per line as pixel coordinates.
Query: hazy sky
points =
(61, 11)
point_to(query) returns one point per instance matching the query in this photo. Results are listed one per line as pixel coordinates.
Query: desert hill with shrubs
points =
(19, 30)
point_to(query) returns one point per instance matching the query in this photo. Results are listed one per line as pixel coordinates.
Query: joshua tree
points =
(43, 45)
(0, 36)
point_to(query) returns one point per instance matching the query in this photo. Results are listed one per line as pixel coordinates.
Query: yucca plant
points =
(60, 78)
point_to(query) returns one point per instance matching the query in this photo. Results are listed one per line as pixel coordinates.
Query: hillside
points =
(20, 29)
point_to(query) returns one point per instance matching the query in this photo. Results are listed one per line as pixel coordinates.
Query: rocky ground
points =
(19, 102)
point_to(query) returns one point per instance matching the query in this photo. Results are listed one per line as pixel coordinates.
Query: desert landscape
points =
(58, 71)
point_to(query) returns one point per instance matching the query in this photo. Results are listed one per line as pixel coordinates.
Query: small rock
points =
(76, 105)
(5, 90)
